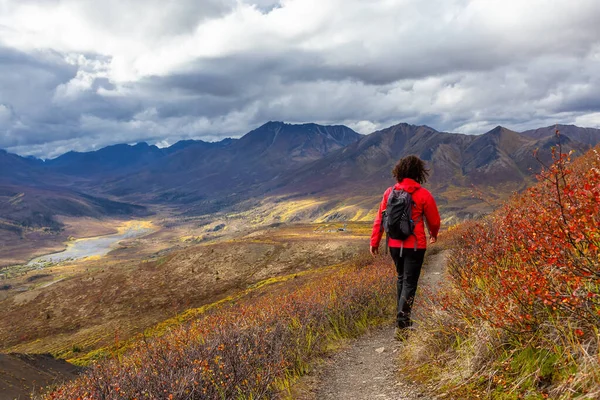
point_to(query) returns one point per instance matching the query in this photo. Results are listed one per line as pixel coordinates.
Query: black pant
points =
(408, 267)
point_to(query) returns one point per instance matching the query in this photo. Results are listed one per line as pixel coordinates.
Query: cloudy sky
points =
(83, 74)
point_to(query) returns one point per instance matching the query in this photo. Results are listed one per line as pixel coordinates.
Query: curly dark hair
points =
(411, 167)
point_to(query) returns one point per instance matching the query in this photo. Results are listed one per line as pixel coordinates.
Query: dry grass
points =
(252, 348)
(519, 317)
(119, 294)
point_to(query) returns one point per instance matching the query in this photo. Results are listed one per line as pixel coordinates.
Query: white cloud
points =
(5, 116)
(591, 120)
(149, 114)
(148, 69)
(143, 38)
(364, 127)
(89, 70)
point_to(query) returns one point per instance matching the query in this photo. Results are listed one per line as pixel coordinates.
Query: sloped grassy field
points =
(520, 315)
(81, 306)
(253, 347)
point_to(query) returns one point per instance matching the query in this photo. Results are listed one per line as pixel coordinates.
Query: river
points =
(90, 247)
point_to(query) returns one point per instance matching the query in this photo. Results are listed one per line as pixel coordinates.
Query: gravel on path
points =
(366, 369)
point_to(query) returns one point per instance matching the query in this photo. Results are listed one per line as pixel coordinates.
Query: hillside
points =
(194, 259)
(496, 163)
(590, 136)
(296, 160)
(16, 169)
(252, 345)
(32, 195)
(122, 180)
(121, 158)
(539, 253)
(205, 179)
(146, 280)
(278, 172)
(32, 373)
(30, 218)
(539, 341)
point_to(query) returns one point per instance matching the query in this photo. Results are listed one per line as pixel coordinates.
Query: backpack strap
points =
(387, 238)
(387, 243)
(381, 229)
(415, 222)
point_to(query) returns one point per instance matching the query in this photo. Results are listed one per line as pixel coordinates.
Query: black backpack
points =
(397, 217)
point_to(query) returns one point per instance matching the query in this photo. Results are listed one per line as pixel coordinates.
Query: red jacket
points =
(424, 206)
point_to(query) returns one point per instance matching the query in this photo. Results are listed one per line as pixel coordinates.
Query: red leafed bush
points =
(519, 315)
(537, 256)
(244, 350)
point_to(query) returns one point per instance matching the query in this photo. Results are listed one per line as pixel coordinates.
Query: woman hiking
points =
(408, 254)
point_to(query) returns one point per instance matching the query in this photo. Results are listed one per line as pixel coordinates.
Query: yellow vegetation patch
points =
(285, 211)
(190, 238)
(188, 315)
(136, 225)
(92, 258)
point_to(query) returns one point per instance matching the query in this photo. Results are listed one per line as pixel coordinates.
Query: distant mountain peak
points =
(411, 126)
(404, 130)
(589, 136)
(273, 124)
(118, 158)
(500, 129)
(278, 142)
(290, 158)
(503, 134)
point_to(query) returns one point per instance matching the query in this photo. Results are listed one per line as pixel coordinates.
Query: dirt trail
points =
(366, 369)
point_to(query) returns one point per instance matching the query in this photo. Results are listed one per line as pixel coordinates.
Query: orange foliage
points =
(537, 258)
(243, 349)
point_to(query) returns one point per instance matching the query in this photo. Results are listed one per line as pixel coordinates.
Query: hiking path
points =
(366, 368)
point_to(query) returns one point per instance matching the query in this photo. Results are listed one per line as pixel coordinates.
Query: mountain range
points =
(276, 161)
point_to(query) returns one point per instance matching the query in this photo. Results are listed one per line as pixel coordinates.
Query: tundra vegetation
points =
(245, 349)
(520, 314)
(150, 279)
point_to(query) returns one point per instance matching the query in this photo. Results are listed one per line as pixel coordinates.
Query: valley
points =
(188, 192)
(276, 173)
(77, 306)
(99, 254)
(92, 247)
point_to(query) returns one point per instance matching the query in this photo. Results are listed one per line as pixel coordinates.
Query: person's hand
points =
(432, 239)
(374, 251)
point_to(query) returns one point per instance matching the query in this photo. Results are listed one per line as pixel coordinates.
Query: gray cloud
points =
(146, 70)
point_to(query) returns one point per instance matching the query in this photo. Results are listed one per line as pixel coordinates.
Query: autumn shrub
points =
(247, 350)
(519, 317)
